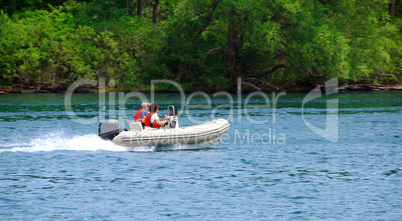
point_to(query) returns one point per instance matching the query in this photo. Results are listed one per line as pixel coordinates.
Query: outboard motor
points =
(109, 129)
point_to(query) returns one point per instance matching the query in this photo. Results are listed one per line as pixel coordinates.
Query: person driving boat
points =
(152, 118)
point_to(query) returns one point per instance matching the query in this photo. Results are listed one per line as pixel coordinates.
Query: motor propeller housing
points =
(109, 129)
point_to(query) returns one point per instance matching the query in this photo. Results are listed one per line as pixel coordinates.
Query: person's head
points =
(145, 105)
(154, 108)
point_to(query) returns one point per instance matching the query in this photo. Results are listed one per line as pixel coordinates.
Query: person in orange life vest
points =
(152, 118)
(141, 113)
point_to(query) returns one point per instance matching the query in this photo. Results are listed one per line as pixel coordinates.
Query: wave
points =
(60, 141)
(89, 142)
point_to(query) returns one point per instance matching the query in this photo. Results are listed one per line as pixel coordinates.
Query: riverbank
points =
(345, 88)
(370, 87)
(43, 88)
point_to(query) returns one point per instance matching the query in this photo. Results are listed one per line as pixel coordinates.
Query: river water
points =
(274, 163)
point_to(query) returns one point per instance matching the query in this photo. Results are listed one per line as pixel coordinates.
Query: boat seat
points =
(135, 126)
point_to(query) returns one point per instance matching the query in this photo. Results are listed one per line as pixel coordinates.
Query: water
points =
(52, 167)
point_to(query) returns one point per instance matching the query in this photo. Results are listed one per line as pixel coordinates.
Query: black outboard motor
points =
(109, 129)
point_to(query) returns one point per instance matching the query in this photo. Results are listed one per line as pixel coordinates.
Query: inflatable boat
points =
(170, 133)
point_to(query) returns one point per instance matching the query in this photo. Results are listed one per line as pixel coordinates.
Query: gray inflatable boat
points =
(171, 133)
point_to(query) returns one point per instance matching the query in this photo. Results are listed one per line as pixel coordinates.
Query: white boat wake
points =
(90, 142)
(60, 141)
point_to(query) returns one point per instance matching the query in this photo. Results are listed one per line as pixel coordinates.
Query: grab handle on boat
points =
(172, 112)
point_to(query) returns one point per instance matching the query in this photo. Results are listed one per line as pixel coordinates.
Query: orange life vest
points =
(137, 116)
(156, 125)
(147, 121)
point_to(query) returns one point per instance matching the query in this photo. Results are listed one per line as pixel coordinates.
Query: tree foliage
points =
(200, 43)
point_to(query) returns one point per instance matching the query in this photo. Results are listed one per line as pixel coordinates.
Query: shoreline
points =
(186, 89)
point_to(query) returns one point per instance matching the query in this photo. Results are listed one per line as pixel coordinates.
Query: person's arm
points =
(159, 121)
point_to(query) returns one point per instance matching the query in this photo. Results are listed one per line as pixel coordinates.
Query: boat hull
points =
(207, 133)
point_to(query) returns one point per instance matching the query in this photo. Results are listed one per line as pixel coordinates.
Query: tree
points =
(201, 43)
(139, 8)
(155, 11)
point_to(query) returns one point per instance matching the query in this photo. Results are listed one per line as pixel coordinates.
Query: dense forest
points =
(201, 44)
